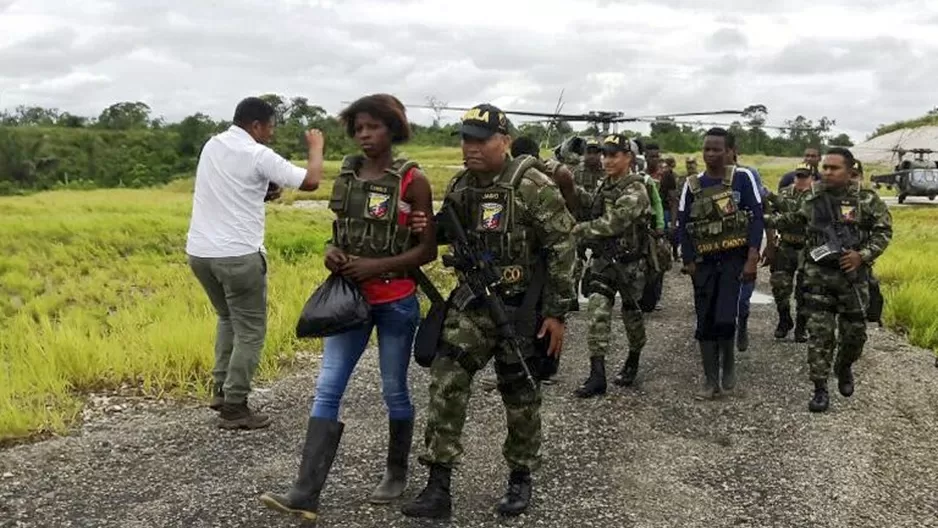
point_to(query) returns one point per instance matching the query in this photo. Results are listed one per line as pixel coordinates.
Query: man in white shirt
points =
(225, 245)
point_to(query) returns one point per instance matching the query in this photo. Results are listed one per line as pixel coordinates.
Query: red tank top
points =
(380, 291)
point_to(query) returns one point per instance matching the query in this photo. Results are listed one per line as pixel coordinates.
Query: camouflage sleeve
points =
(553, 225)
(626, 210)
(584, 200)
(656, 203)
(880, 232)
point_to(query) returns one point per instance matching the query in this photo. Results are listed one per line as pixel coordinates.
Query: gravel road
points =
(647, 456)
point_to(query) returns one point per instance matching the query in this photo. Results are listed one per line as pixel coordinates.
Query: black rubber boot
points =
(728, 362)
(845, 380)
(785, 324)
(595, 384)
(322, 441)
(710, 357)
(435, 501)
(742, 333)
(517, 496)
(801, 330)
(626, 376)
(821, 399)
(218, 397)
(400, 438)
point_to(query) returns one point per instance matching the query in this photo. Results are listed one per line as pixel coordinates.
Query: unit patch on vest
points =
(378, 204)
(725, 204)
(848, 212)
(492, 215)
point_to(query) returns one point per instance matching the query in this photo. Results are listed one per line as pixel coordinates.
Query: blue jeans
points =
(397, 323)
(745, 294)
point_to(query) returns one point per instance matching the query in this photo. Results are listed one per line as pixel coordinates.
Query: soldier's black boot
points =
(728, 361)
(400, 437)
(626, 376)
(710, 357)
(742, 333)
(518, 495)
(322, 441)
(434, 502)
(595, 384)
(785, 324)
(801, 330)
(845, 380)
(821, 399)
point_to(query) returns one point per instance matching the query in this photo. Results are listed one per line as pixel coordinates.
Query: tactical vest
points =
(366, 211)
(629, 246)
(790, 200)
(588, 179)
(496, 215)
(716, 222)
(845, 208)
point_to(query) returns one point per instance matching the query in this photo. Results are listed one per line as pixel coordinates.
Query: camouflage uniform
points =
(587, 180)
(786, 268)
(834, 300)
(619, 230)
(536, 210)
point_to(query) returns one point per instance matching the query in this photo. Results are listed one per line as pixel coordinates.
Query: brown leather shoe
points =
(240, 416)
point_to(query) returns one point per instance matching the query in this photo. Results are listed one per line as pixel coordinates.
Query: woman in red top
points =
(363, 198)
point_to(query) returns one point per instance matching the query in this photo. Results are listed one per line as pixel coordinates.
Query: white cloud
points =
(860, 62)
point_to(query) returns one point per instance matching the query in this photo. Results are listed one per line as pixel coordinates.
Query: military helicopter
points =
(915, 177)
(571, 147)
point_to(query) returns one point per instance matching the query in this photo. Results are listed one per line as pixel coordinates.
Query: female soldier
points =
(372, 199)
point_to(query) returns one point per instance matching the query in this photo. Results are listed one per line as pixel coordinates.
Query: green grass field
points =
(95, 292)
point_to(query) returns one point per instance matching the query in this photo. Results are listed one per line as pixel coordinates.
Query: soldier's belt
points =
(791, 239)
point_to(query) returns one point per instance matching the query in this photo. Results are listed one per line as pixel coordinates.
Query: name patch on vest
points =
(378, 204)
(705, 248)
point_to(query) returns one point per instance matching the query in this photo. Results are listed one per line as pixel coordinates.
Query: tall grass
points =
(95, 292)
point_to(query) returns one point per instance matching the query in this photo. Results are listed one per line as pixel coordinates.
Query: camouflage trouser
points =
(833, 302)
(603, 287)
(468, 343)
(787, 278)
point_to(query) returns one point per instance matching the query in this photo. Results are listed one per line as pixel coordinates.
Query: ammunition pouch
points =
(874, 310)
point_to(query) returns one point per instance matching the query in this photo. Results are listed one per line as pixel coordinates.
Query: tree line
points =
(127, 146)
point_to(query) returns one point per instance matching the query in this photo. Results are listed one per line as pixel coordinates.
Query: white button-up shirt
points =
(230, 184)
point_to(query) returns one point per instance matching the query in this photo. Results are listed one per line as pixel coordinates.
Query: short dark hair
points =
(652, 146)
(525, 145)
(384, 107)
(728, 137)
(252, 109)
(843, 152)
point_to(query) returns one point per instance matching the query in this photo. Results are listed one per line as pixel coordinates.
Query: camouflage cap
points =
(482, 122)
(619, 143)
(593, 143)
(803, 169)
(691, 159)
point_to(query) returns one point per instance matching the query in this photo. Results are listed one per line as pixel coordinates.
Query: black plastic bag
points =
(427, 338)
(337, 306)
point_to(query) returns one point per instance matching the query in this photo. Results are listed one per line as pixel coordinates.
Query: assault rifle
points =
(839, 239)
(480, 279)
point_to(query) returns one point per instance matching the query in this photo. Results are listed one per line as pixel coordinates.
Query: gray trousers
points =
(237, 288)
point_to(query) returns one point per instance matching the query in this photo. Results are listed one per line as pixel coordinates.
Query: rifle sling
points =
(427, 286)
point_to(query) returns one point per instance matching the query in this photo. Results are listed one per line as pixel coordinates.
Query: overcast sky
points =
(859, 62)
